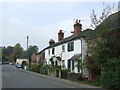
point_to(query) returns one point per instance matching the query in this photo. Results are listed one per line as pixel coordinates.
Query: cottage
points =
(70, 51)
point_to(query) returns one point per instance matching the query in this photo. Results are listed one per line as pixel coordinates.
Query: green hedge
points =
(44, 70)
(64, 74)
(35, 68)
(111, 74)
(74, 76)
(54, 68)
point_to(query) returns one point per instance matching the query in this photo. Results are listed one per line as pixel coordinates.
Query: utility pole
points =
(27, 42)
(27, 49)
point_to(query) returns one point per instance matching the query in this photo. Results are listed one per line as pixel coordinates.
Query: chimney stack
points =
(77, 27)
(51, 42)
(60, 35)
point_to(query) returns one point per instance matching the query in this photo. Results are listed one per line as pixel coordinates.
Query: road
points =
(14, 78)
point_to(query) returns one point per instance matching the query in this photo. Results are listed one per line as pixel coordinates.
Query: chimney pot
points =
(51, 42)
(60, 35)
(77, 27)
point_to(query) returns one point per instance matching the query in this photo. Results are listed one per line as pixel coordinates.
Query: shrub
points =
(35, 68)
(64, 73)
(54, 68)
(97, 81)
(44, 70)
(111, 74)
(74, 76)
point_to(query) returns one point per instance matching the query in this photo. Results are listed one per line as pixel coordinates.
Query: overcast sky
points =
(41, 21)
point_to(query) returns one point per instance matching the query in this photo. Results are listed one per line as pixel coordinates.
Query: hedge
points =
(111, 74)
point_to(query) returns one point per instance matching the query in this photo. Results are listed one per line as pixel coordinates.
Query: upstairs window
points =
(70, 46)
(63, 48)
(53, 50)
(49, 52)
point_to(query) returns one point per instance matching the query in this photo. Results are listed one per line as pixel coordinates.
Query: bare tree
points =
(119, 6)
(97, 19)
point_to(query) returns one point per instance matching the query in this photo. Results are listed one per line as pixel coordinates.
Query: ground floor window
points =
(69, 64)
(52, 63)
(56, 63)
(63, 63)
(72, 65)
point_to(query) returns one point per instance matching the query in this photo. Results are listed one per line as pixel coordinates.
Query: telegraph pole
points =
(27, 42)
(27, 50)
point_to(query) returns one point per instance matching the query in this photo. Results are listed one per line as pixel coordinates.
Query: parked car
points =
(18, 65)
(11, 63)
(5, 62)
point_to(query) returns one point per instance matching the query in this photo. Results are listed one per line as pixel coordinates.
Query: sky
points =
(41, 21)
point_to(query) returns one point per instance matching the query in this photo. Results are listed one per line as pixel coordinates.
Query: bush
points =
(64, 74)
(97, 81)
(74, 76)
(54, 68)
(111, 74)
(35, 68)
(44, 70)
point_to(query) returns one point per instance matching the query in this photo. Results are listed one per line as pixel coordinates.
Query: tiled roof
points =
(87, 33)
(73, 37)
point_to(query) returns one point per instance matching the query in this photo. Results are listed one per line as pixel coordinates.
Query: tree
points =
(31, 50)
(0, 54)
(104, 52)
(18, 51)
(10, 49)
(98, 19)
(10, 57)
(4, 54)
(101, 50)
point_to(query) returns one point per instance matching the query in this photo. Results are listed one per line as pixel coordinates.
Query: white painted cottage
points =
(68, 50)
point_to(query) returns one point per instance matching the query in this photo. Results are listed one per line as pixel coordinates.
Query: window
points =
(56, 63)
(49, 52)
(45, 62)
(70, 46)
(63, 62)
(69, 64)
(72, 65)
(53, 50)
(63, 48)
(52, 63)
